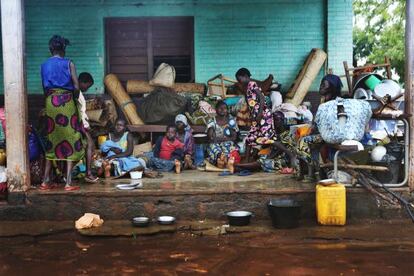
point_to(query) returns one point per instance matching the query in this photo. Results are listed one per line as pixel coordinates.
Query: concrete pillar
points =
(409, 81)
(12, 26)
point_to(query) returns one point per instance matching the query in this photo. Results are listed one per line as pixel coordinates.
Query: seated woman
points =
(311, 146)
(271, 158)
(118, 150)
(185, 136)
(222, 133)
(168, 152)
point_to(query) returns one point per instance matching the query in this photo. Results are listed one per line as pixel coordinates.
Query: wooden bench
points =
(160, 129)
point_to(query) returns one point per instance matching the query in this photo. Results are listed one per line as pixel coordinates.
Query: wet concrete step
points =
(184, 204)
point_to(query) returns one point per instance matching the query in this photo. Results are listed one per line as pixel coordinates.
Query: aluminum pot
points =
(140, 221)
(239, 218)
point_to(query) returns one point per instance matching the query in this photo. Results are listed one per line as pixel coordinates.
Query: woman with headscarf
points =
(185, 136)
(65, 140)
(262, 131)
(222, 133)
(310, 146)
(330, 87)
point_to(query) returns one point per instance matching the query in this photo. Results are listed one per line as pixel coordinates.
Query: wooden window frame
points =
(150, 55)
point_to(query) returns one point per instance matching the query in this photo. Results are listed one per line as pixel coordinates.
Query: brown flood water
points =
(275, 253)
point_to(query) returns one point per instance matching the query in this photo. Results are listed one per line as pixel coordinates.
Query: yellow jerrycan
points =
(330, 202)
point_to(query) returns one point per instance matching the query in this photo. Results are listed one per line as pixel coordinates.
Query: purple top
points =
(55, 72)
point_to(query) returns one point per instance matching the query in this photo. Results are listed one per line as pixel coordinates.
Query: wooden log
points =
(361, 167)
(348, 78)
(317, 58)
(142, 87)
(409, 82)
(298, 79)
(122, 98)
(12, 19)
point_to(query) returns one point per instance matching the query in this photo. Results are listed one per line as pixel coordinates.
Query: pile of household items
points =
(354, 138)
(378, 151)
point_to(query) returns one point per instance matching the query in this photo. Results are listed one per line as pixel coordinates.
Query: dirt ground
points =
(368, 248)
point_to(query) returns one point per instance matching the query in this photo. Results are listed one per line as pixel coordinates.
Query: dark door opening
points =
(135, 47)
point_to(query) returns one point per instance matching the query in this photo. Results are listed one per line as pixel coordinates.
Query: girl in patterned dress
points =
(262, 131)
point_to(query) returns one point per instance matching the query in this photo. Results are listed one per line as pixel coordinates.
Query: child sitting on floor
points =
(168, 152)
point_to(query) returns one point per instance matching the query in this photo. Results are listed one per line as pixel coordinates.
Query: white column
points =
(12, 26)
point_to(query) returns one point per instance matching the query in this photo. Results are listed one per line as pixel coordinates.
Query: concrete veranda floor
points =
(195, 182)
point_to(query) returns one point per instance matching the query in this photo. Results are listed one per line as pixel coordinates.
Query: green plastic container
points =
(372, 81)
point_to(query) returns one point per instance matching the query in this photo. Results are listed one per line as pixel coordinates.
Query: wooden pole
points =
(409, 81)
(12, 26)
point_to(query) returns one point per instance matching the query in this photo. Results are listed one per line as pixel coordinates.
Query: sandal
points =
(91, 179)
(44, 187)
(47, 187)
(225, 173)
(71, 188)
(244, 173)
(287, 170)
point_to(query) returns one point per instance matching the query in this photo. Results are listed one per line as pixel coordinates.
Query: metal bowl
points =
(239, 218)
(166, 220)
(200, 138)
(328, 181)
(140, 221)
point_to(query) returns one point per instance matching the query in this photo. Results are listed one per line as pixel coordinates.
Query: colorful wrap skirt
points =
(229, 149)
(65, 139)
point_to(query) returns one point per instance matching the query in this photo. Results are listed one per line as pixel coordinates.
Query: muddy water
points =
(183, 253)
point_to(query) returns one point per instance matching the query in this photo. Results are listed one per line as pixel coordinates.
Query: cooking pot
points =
(285, 213)
(140, 221)
(200, 138)
(239, 218)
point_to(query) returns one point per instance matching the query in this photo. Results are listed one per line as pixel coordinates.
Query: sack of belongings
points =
(164, 76)
(88, 220)
(357, 112)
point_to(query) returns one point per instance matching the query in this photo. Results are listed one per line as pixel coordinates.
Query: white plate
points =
(128, 186)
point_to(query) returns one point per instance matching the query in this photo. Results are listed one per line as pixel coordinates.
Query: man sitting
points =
(168, 152)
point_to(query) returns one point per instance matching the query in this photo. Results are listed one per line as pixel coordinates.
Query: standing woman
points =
(262, 130)
(64, 127)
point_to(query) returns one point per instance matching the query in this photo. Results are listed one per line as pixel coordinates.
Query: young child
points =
(168, 152)
(85, 82)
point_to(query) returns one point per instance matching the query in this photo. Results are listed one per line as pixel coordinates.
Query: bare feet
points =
(187, 161)
(107, 169)
(230, 165)
(221, 162)
(177, 166)
(150, 174)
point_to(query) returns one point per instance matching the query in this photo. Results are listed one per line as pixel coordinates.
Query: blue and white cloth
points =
(358, 115)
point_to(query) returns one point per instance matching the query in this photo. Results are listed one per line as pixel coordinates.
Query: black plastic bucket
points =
(285, 213)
